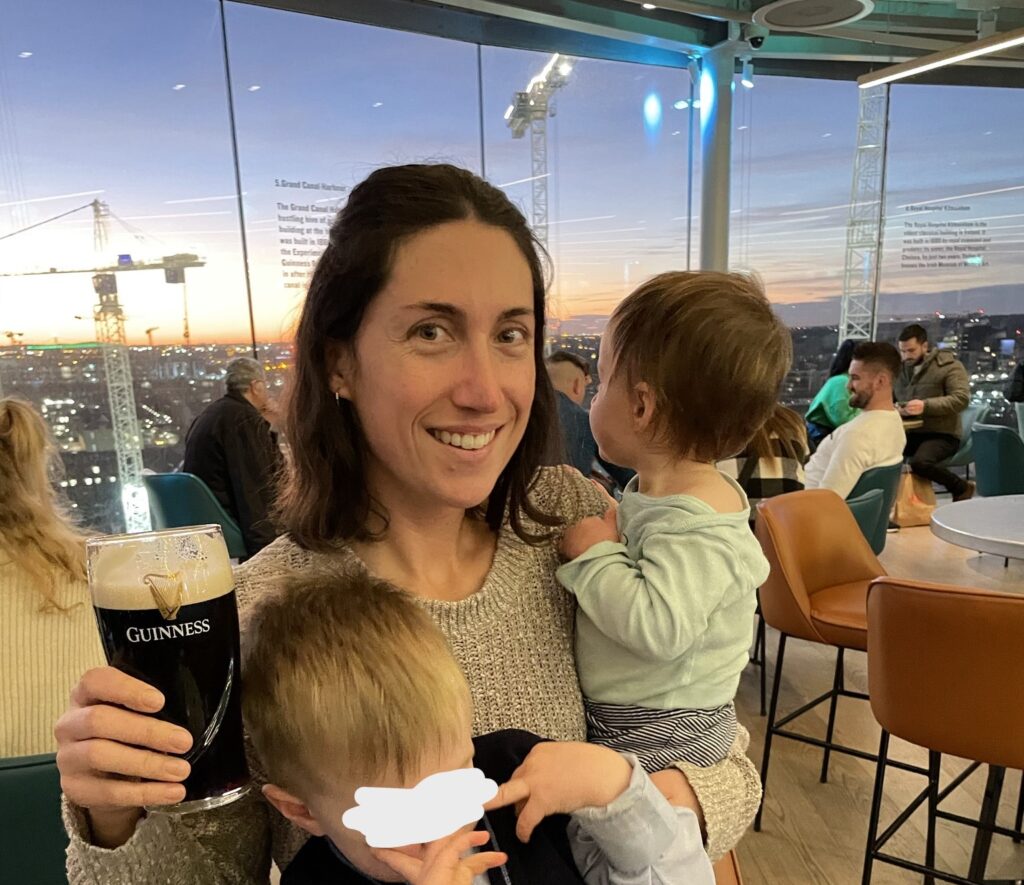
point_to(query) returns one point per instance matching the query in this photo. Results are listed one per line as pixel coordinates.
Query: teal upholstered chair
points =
(886, 480)
(182, 499)
(868, 510)
(975, 413)
(32, 839)
(999, 460)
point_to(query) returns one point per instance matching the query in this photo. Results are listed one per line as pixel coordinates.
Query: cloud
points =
(436, 807)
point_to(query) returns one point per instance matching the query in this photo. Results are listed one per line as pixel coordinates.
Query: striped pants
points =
(660, 738)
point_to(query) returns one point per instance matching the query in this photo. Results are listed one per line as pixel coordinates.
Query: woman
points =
(831, 407)
(773, 461)
(48, 630)
(419, 414)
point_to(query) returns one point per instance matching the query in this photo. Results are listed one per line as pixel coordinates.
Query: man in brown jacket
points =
(933, 387)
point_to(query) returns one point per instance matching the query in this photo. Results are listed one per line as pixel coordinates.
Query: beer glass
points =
(165, 606)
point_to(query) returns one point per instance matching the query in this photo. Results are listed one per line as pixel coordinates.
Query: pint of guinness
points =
(165, 605)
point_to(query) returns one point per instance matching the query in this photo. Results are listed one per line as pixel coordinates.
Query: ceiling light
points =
(178, 87)
(995, 43)
(648, 6)
(565, 68)
(25, 55)
(378, 104)
(681, 105)
(255, 88)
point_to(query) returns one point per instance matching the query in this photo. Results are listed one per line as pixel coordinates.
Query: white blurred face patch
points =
(391, 817)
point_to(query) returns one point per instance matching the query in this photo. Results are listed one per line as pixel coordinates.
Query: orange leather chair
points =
(727, 870)
(945, 672)
(821, 566)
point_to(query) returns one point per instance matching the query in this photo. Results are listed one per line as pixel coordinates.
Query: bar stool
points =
(821, 566)
(944, 664)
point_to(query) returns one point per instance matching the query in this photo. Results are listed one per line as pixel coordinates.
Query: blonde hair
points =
(788, 428)
(713, 352)
(347, 677)
(36, 533)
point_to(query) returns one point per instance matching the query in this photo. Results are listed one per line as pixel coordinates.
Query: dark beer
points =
(166, 611)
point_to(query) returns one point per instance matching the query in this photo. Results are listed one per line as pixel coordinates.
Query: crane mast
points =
(124, 423)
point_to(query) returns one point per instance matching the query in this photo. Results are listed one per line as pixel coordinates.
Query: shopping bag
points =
(915, 501)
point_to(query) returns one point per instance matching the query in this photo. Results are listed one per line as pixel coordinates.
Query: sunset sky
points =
(93, 112)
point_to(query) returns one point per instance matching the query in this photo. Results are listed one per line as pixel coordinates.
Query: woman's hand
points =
(442, 862)
(559, 778)
(113, 759)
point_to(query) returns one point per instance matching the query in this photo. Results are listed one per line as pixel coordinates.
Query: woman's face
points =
(442, 372)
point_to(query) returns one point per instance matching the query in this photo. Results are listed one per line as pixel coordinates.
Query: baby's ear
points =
(292, 808)
(643, 406)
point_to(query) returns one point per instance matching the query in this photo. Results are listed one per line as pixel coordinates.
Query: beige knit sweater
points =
(514, 641)
(42, 655)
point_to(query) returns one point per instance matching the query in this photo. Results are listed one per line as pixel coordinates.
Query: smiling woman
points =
(418, 421)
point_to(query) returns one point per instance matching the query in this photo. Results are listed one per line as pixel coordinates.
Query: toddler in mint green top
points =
(690, 367)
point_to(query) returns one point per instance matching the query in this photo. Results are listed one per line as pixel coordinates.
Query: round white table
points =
(988, 525)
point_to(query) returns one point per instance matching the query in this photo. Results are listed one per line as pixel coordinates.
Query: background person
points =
(570, 377)
(875, 438)
(419, 416)
(831, 407)
(933, 387)
(48, 632)
(232, 448)
(773, 461)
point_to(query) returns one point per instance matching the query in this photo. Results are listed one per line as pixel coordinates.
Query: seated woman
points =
(773, 462)
(831, 407)
(419, 415)
(48, 633)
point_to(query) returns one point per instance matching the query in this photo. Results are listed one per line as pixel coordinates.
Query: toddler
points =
(349, 684)
(690, 367)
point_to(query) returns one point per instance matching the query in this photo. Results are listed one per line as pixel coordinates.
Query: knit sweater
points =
(513, 639)
(42, 655)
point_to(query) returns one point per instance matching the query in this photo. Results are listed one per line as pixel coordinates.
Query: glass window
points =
(954, 240)
(793, 149)
(362, 97)
(116, 189)
(616, 151)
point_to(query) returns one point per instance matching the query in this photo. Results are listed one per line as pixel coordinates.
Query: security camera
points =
(753, 35)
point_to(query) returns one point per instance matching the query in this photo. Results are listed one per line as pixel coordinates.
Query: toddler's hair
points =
(346, 676)
(713, 351)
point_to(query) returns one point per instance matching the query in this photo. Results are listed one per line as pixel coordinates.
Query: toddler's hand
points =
(587, 532)
(442, 862)
(559, 778)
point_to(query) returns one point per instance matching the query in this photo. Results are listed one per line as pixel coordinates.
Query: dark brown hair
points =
(914, 330)
(564, 356)
(881, 355)
(713, 352)
(788, 428)
(324, 498)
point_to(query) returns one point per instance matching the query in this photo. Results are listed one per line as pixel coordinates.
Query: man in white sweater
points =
(875, 438)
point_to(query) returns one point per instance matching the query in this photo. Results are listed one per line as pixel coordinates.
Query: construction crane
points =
(530, 109)
(108, 317)
(149, 334)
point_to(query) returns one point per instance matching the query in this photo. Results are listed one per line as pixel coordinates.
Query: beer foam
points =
(123, 569)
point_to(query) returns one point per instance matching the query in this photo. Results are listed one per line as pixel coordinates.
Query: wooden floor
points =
(814, 832)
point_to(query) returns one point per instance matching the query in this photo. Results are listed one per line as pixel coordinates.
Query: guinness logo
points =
(166, 591)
